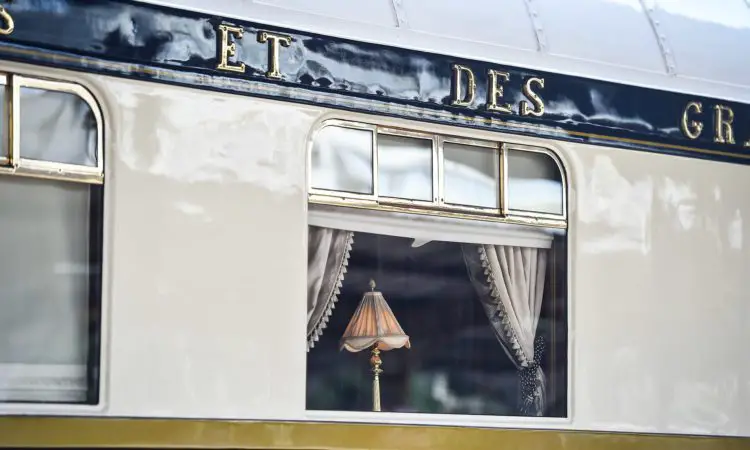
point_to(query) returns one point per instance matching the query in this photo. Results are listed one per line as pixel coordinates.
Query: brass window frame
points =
(505, 181)
(438, 206)
(12, 161)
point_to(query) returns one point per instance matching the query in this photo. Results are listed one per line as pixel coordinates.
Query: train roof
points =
(691, 46)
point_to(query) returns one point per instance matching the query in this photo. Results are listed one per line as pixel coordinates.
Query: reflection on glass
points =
(4, 147)
(57, 127)
(44, 288)
(404, 167)
(472, 175)
(460, 360)
(534, 183)
(341, 160)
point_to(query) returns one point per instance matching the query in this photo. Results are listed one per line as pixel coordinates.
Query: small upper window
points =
(472, 175)
(405, 167)
(389, 168)
(535, 183)
(342, 160)
(59, 127)
(51, 177)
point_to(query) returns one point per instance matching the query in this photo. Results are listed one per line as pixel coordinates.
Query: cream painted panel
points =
(208, 250)
(206, 259)
(208, 244)
(659, 293)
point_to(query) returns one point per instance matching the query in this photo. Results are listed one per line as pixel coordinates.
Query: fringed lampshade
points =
(374, 325)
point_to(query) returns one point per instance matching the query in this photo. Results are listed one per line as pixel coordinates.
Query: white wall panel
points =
(208, 246)
(205, 279)
(209, 261)
(659, 293)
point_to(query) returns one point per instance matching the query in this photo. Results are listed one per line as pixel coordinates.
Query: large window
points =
(436, 275)
(51, 180)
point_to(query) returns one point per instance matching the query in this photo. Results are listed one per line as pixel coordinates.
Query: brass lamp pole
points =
(374, 325)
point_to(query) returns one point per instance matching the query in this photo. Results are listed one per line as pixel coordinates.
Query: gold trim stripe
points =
(219, 82)
(162, 433)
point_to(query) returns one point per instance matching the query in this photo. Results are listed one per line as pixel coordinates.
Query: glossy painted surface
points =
(205, 239)
(207, 212)
(679, 45)
(176, 46)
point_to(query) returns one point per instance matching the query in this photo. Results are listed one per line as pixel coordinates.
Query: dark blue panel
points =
(126, 38)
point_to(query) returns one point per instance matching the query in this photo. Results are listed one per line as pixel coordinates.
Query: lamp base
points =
(376, 371)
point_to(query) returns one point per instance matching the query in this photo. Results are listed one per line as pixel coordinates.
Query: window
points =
(51, 181)
(439, 264)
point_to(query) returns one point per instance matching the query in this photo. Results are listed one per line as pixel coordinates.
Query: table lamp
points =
(374, 325)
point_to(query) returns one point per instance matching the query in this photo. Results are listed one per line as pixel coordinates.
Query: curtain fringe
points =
(500, 310)
(331, 301)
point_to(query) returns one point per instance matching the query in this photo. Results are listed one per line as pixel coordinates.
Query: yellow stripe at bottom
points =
(154, 433)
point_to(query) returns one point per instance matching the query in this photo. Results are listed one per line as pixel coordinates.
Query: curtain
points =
(510, 283)
(327, 258)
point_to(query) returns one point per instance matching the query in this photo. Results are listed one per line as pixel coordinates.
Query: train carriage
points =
(390, 225)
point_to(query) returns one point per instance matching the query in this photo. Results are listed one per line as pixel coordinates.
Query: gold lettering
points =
(534, 97)
(495, 91)
(273, 50)
(691, 128)
(471, 85)
(229, 48)
(723, 125)
(9, 25)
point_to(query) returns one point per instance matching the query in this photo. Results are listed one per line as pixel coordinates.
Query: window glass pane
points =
(534, 183)
(460, 360)
(58, 127)
(404, 167)
(45, 291)
(472, 175)
(341, 160)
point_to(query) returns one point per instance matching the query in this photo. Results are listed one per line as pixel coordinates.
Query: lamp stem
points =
(376, 371)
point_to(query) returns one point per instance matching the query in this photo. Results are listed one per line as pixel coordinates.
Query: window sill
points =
(463, 420)
(43, 389)
(427, 228)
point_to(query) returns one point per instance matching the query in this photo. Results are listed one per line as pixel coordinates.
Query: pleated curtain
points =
(327, 259)
(509, 282)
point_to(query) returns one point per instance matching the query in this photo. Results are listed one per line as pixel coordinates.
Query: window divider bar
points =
(375, 175)
(5, 127)
(440, 171)
(503, 194)
(15, 123)
(435, 170)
